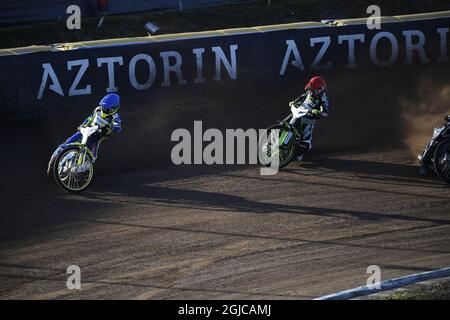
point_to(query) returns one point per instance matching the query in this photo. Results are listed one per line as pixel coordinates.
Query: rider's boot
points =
(302, 148)
(424, 163)
(94, 149)
(424, 170)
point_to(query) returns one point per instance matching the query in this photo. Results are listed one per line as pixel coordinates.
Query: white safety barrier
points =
(387, 285)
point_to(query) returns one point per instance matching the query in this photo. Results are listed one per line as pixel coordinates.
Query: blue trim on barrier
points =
(387, 285)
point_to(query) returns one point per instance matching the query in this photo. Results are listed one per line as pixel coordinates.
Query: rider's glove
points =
(105, 130)
(319, 113)
(316, 112)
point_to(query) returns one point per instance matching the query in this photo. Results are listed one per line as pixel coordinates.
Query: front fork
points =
(289, 132)
(286, 137)
(82, 158)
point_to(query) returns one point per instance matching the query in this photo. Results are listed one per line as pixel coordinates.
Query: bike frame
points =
(291, 130)
(86, 132)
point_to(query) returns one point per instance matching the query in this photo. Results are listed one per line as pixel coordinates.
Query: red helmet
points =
(316, 85)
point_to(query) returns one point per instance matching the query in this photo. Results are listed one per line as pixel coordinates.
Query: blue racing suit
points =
(107, 125)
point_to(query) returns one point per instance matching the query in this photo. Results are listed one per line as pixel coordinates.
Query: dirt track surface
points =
(191, 233)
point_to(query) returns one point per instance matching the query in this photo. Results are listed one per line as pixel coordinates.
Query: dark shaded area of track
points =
(213, 233)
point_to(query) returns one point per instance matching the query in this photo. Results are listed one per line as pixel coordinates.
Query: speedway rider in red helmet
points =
(315, 99)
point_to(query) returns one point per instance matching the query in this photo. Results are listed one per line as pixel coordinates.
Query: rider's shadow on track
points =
(183, 189)
(138, 190)
(368, 171)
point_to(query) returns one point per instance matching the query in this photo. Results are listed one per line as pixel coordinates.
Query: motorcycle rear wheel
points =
(442, 160)
(66, 174)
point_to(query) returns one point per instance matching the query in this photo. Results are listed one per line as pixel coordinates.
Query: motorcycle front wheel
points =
(442, 160)
(270, 145)
(69, 174)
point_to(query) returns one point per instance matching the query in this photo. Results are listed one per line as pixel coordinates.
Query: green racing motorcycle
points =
(73, 168)
(279, 143)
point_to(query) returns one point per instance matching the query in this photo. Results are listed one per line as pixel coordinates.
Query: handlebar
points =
(305, 111)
